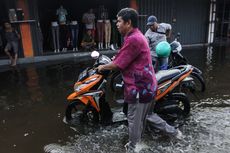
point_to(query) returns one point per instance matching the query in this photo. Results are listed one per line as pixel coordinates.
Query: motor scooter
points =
(176, 59)
(87, 102)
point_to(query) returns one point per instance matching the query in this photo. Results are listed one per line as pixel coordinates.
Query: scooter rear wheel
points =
(199, 82)
(76, 111)
(175, 106)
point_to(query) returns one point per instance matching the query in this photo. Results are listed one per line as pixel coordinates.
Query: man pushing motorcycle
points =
(140, 85)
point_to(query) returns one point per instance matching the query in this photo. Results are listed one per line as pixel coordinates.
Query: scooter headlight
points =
(77, 87)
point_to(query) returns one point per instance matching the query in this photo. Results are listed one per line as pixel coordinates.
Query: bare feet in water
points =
(13, 62)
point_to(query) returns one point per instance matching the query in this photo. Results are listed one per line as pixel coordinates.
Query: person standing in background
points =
(156, 33)
(88, 42)
(12, 37)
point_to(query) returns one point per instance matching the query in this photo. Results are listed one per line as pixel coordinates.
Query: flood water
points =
(32, 106)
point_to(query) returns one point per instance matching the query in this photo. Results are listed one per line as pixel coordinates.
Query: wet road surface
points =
(32, 105)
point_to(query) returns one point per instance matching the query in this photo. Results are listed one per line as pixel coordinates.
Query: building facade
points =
(198, 22)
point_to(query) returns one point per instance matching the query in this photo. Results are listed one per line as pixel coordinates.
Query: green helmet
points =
(163, 49)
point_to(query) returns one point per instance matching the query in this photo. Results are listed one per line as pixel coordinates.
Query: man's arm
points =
(110, 66)
(85, 43)
(168, 30)
(168, 33)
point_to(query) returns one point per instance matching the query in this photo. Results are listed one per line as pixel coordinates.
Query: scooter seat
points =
(164, 75)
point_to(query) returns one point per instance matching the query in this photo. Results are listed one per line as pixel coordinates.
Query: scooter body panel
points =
(168, 86)
(82, 91)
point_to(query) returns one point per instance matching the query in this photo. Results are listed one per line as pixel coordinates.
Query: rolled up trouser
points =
(157, 122)
(12, 45)
(136, 119)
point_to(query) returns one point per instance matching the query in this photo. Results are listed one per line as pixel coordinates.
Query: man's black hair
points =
(129, 14)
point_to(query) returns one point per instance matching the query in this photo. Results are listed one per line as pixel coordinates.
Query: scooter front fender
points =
(72, 96)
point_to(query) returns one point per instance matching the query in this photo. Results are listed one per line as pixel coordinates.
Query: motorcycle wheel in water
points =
(199, 84)
(172, 107)
(87, 102)
(77, 112)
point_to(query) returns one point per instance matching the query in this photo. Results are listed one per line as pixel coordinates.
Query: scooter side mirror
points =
(178, 36)
(179, 48)
(95, 54)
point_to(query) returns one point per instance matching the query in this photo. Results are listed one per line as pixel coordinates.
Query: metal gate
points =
(190, 18)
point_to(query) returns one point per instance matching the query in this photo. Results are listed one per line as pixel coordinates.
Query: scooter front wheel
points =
(76, 111)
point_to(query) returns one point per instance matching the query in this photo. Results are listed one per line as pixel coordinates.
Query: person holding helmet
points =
(163, 50)
(156, 33)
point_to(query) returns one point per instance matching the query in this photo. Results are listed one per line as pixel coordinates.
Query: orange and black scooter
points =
(87, 102)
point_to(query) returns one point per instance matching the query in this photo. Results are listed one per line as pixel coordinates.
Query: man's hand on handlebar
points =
(100, 68)
(113, 58)
(109, 66)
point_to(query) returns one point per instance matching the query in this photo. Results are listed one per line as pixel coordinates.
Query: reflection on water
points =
(209, 58)
(33, 85)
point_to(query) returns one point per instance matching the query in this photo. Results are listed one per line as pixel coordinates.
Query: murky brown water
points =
(32, 105)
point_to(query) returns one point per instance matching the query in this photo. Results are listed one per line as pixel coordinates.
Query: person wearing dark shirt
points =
(12, 37)
(88, 42)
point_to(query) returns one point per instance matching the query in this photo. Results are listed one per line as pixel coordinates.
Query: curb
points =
(56, 57)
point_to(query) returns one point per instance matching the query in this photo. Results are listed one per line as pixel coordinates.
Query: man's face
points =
(122, 26)
(153, 27)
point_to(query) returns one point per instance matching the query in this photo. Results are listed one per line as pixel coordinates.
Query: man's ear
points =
(129, 23)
